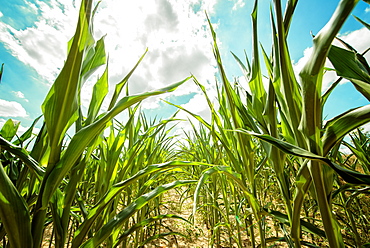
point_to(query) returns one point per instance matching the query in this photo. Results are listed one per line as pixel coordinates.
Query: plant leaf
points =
(336, 128)
(14, 213)
(350, 176)
(96, 57)
(26, 135)
(1, 71)
(100, 90)
(306, 226)
(119, 86)
(347, 65)
(80, 234)
(60, 107)
(131, 209)
(23, 155)
(361, 21)
(86, 136)
(9, 129)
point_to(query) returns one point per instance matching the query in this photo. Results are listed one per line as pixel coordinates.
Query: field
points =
(266, 171)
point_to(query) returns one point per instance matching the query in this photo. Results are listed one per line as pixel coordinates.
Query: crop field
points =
(266, 171)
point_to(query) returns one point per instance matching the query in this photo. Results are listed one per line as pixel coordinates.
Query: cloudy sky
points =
(34, 36)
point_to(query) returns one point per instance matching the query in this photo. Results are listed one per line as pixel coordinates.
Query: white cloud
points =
(42, 46)
(1, 14)
(366, 128)
(352, 38)
(177, 37)
(11, 109)
(19, 94)
(345, 150)
(367, 10)
(238, 4)
(29, 8)
(2, 122)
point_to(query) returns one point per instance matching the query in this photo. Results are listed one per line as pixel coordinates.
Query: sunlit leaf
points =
(9, 129)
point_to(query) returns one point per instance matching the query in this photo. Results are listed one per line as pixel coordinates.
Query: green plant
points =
(77, 184)
(287, 118)
(268, 166)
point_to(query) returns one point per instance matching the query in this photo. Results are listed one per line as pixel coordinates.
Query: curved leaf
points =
(26, 135)
(9, 129)
(336, 128)
(348, 65)
(14, 213)
(306, 226)
(348, 175)
(60, 107)
(119, 86)
(100, 90)
(23, 155)
(96, 57)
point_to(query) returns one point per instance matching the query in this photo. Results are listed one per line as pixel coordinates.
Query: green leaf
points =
(1, 71)
(348, 65)
(245, 70)
(119, 86)
(95, 57)
(60, 107)
(336, 128)
(14, 213)
(235, 178)
(9, 129)
(288, 15)
(350, 176)
(287, 89)
(23, 155)
(87, 135)
(26, 135)
(100, 90)
(126, 213)
(255, 81)
(82, 231)
(306, 226)
(361, 21)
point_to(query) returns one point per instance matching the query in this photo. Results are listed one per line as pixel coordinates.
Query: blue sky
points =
(34, 35)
